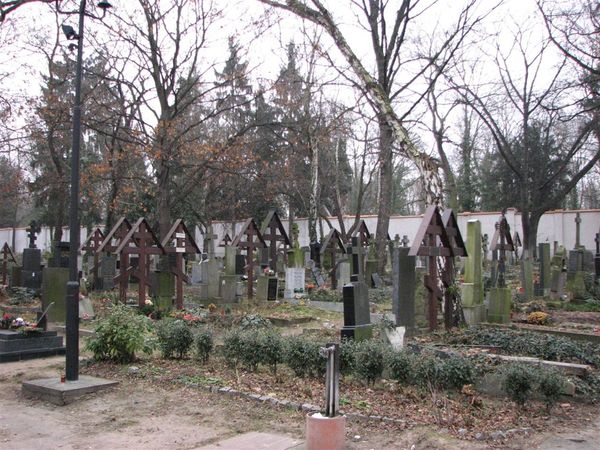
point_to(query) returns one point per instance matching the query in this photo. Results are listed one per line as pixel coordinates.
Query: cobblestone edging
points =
(309, 408)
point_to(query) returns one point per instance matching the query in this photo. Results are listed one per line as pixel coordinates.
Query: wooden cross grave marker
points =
(273, 232)
(331, 245)
(432, 241)
(179, 241)
(226, 240)
(141, 241)
(91, 244)
(111, 241)
(452, 307)
(245, 240)
(502, 241)
(7, 256)
(361, 231)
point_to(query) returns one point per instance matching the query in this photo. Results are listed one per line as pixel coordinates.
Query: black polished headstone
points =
(404, 284)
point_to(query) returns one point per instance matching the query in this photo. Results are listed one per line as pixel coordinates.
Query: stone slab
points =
(255, 441)
(53, 391)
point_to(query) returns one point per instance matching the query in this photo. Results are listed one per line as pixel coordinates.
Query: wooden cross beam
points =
(451, 301)
(141, 241)
(362, 232)
(246, 240)
(503, 242)
(226, 240)
(432, 241)
(273, 232)
(109, 245)
(7, 256)
(179, 241)
(91, 244)
(331, 245)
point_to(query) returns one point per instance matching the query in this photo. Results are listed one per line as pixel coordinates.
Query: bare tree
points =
(389, 34)
(536, 130)
(9, 6)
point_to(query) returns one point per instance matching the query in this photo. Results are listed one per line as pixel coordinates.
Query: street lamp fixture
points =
(72, 300)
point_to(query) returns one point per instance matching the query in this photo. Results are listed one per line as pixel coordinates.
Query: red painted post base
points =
(325, 433)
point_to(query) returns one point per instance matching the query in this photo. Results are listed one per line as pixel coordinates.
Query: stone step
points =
(31, 354)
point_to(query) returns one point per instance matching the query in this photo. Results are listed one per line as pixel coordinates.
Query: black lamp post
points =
(72, 306)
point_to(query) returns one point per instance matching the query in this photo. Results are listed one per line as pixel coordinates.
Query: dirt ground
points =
(138, 414)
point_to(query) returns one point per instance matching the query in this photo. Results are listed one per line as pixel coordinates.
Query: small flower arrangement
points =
(188, 317)
(30, 330)
(268, 272)
(6, 321)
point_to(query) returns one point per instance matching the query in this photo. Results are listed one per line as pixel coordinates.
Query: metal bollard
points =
(332, 378)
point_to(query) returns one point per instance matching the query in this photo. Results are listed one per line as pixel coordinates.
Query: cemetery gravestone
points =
(31, 273)
(357, 316)
(294, 272)
(597, 257)
(54, 290)
(403, 288)
(545, 274)
(230, 277)
(500, 296)
(472, 288)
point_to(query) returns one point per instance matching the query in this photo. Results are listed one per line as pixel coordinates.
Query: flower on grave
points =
(148, 302)
(19, 322)
(6, 321)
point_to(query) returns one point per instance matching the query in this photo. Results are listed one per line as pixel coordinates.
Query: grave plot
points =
(427, 385)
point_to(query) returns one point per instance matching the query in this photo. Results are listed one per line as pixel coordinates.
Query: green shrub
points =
(380, 295)
(120, 335)
(428, 372)
(400, 363)
(457, 371)
(241, 347)
(452, 372)
(233, 347)
(551, 385)
(325, 295)
(270, 348)
(254, 321)
(347, 356)
(519, 382)
(175, 338)
(303, 357)
(203, 343)
(369, 360)
(553, 348)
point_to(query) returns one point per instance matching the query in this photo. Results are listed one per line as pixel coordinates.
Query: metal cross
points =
(33, 229)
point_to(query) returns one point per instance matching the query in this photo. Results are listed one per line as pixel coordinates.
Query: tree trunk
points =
(313, 198)
(386, 138)
(530, 222)
(163, 204)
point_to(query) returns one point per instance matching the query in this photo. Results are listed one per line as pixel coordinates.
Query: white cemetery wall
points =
(556, 225)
